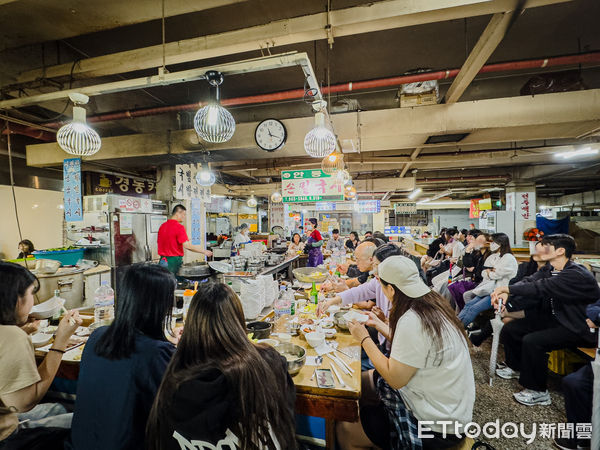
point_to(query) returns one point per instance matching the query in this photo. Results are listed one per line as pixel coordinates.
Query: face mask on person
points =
(494, 247)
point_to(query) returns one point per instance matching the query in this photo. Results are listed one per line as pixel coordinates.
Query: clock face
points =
(270, 135)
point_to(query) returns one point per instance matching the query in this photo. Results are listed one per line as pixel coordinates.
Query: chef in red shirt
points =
(172, 239)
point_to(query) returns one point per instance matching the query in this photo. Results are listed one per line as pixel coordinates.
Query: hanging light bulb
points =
(77, 138)
(276, 197)
(213, 123)
(252, 202)
(333, 163)
(350, 192)
(343, 176)
(320, 141)
(205, 177)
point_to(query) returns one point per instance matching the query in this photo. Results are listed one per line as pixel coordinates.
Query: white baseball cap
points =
(403, 273)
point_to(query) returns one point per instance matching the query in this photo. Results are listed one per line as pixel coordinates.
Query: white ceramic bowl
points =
(315, 338)
(47, 309)
(40, 339)
(333, 309)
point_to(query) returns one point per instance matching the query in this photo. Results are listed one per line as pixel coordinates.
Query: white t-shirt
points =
(443, 388)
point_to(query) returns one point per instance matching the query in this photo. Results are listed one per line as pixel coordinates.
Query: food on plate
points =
(306, 321)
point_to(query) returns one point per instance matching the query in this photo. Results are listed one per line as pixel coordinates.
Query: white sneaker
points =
(528, 397)
(507, 373)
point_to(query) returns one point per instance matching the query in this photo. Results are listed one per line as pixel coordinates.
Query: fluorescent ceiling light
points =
(586, 151)
(414, 193)
(448, 203)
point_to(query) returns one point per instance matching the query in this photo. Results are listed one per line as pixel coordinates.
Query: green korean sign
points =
(298, 186)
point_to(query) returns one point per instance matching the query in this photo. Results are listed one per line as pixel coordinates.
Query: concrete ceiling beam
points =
(489, 40)
(548, 116)
(371, 17)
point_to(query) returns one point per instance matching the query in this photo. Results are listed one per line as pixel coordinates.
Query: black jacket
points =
(434, 247)
(207, 409)
(474, 259)
(564, 294)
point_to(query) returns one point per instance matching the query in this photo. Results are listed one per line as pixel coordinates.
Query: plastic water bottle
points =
(281, 306)
(104, 304)
(291, 299)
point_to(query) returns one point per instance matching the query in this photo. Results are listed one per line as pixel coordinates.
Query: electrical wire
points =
(12, 181)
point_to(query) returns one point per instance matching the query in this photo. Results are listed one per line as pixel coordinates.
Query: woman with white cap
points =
(428, 378)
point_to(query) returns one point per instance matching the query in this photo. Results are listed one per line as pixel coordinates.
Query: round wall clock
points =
(270, 135)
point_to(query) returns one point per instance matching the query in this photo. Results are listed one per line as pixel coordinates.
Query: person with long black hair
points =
(123, 364)
(499, 268)
(220, 389)
(428, 375)
(23, 384)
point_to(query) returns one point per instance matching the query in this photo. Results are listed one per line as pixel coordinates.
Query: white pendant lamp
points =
(320, 141)
(77, 138)
(276, 197)
(252, 202)
(343, 176)
(205, 177)
(213, 123)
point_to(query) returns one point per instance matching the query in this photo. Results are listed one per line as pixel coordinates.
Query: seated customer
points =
(428, 376)
(369, 290)
(22, 383)
(578, 389)
(475, 255)
(364, 264)
(499, 268)
(433, 250)
(352, 241)
(221, 390)
(516, 307)
(562, 292)
(335, 242)
(123, 364)
(296, 246)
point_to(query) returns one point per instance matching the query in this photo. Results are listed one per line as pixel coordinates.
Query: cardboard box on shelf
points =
(410, 100)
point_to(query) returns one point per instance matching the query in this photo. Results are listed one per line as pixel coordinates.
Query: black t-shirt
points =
(114, 397)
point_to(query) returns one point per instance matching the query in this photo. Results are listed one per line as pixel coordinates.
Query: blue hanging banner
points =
(72, 190)
(196, 221)
(553, 226)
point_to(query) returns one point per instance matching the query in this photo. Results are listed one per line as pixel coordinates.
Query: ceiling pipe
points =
(294, 94)
(23, 130)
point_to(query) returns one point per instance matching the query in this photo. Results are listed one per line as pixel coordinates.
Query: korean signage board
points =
(186, 187)
(276, 215)
(474, 209)
(396, 231)
(310, 186)
(325, 206)
(368, 206)
(72, 190)
(485, 204)
(111, 184)
(405, 208)
(525, 206)
(196, 221)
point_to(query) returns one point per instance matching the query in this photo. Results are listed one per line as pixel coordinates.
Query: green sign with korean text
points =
(299, 186)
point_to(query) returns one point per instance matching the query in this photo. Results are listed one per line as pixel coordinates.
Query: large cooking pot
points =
(68, 281)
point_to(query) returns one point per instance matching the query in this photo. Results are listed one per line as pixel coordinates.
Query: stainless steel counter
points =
(285, 264)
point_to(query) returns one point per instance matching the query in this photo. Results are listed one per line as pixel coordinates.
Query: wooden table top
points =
(302, 380)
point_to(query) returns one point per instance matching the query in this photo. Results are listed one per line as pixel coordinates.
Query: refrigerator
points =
(133, 239)
(499, 221)
(127, 228)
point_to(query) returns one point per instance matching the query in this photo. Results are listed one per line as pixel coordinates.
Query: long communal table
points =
(336, 404)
